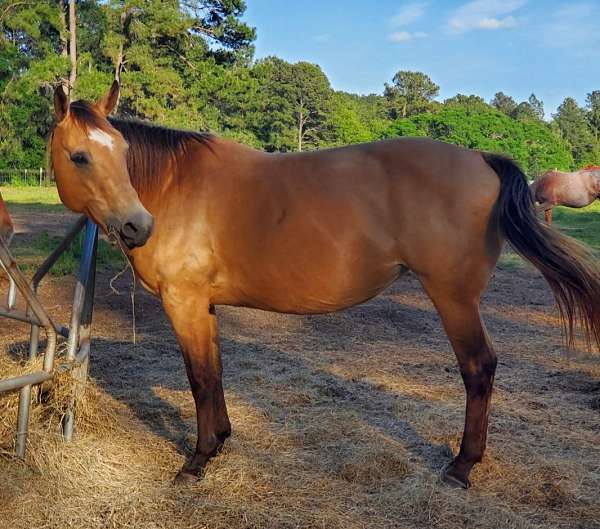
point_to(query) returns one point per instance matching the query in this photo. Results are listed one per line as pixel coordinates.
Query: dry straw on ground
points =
(340, 421)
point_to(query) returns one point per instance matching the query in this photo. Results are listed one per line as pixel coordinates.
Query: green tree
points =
(472, 101)
(537, 106)
(219, 21)
(593, 106)
(295, 100)
(31, 60)
(572, 122)
(188, 64)
(183, 64)
(169, 54)
(533, 144)
(346, 123)
(523, 112)
(505, 104)
(533, 108)
(373, 113)
(409, 93)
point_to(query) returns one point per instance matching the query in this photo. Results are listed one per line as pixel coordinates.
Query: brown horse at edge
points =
(210, 222)
(6, 226)
(574, 190)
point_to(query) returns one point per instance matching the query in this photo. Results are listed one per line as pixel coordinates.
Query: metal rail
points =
(78, 335)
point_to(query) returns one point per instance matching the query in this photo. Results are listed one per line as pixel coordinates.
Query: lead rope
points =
(113, 237)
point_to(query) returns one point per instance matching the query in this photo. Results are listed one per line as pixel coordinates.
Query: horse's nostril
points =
(130, 228)
(136, 230)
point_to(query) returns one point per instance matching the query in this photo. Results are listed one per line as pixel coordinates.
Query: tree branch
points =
(8, 8)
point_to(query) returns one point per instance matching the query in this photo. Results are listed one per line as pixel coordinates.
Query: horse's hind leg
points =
(195, 325)
(546, 207)
(477, 362)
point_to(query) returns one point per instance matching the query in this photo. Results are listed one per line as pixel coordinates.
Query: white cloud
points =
(322, 38)
(486, 15)
(403, 36)
(496, 23)
(408, 14)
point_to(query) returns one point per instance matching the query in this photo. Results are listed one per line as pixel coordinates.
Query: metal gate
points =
(77, 334)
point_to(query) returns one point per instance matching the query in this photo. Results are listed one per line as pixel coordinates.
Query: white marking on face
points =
(101, 137)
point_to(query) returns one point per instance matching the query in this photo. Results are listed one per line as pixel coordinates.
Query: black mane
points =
(151, 146)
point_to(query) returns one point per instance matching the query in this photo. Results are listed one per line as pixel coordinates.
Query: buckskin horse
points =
(575, 190)
(211, 222)
(6, 226)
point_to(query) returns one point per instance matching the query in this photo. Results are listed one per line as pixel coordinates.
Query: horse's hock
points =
(76, 336)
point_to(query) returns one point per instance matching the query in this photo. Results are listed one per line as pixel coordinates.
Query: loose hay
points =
(340, 421)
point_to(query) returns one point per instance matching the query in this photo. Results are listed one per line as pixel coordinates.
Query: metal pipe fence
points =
(78, 335)
(25, 177)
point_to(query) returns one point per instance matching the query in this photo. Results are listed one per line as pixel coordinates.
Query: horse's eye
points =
(80, 158)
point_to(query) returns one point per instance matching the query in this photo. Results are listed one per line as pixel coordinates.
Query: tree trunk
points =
(125, 19)
(72, 44)
(64, 40)
(119, 64)
(300, 125)
(64, 37)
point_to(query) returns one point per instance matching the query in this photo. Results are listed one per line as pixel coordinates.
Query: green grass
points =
(31, 255)
(32, 252)
(43, 198)
(582, 224)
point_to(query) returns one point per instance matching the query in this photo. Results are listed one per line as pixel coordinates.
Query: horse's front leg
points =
(195, 325)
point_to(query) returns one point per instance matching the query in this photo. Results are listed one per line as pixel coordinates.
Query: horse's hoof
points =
(451, 477)
(185, 478)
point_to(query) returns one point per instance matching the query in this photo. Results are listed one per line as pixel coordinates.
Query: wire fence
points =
(25, 177)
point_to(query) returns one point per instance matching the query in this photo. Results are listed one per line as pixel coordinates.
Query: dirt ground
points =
(27, 223)
(339, 421)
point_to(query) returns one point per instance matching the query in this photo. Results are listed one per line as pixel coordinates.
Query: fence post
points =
(41, 174)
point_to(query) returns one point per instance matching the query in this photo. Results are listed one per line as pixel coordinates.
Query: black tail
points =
(569, 267)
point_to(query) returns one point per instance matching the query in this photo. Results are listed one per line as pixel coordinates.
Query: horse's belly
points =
(303, 292)
(354, 293)
(578, 200)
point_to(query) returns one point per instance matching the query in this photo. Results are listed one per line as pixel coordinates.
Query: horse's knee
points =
(478, 375)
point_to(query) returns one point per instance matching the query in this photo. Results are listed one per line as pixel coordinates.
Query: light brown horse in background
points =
(309, 233)
(6, 225)
(575, 190)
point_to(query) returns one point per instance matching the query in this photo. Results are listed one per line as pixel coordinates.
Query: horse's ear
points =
(108, 103)
(61, 103)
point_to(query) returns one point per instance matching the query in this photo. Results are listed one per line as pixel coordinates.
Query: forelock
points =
(85, 116)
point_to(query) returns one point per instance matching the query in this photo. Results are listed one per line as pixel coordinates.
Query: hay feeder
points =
(77, 334)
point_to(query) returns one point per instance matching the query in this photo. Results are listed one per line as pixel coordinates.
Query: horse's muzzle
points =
(136, 229)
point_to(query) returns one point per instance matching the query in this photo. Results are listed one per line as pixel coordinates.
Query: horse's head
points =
(6, 227)
(89, 159)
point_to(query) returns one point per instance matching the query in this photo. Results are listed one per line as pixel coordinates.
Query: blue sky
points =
(548, 47)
